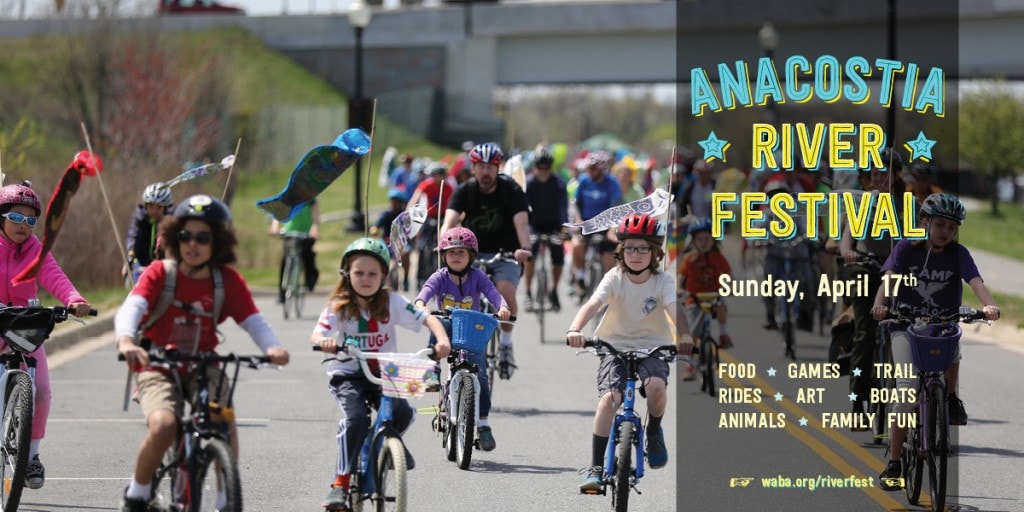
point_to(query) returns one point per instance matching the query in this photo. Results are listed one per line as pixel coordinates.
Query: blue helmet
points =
(396, 194)
(701, 225)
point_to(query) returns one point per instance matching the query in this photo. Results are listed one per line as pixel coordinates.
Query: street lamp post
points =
(890, 119)
(359, 16)
(769, 39)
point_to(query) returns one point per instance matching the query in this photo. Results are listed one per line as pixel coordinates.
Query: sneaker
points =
(891, 478)
(724, 341)
(506, 361)
(957, 413)
(591, 480)
(657, 454)
(337, 500)
(133, 504)
(688, 371)
(486, 438)
(280, 296)
(35, 476)
(556, 306)
(528, 304)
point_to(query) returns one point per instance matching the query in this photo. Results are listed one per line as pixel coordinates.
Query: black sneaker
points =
(133, 504)
(957, 413)
(891, 478)
(35, 476)
(556, 306)
(486, 438)
(657, 453)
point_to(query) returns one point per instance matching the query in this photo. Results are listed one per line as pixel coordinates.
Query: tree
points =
(991, 131)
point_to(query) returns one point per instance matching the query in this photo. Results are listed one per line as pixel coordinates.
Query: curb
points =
(71, 336)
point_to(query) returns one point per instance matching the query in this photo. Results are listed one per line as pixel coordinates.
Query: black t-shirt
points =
(489, 216)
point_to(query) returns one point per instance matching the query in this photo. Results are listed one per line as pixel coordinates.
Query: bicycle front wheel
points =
(217, 485)
(542, 297)
(391, 476)
(913, 465)
(708, 362)
(17, 433)
(623, 467)
(465, 423)
(492, 360)
(938, 430)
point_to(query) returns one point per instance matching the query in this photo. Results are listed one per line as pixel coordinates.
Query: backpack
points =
(167, 295)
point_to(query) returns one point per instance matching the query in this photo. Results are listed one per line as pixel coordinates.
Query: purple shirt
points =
(450, 294)
(938, 290)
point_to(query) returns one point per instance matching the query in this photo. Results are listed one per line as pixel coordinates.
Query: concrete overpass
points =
(467, 50)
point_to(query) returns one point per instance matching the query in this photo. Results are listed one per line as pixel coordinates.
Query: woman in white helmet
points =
(141, 241)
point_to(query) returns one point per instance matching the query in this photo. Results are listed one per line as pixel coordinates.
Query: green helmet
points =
(372, 246)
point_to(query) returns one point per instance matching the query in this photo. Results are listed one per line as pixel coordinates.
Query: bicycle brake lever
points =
(75, 318)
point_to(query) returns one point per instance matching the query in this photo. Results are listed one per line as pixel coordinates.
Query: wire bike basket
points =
(934, 346)
(402, 376)
(471, 330)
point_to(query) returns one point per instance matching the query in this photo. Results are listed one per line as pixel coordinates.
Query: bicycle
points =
(199, 465)
(784, 260)
(708, 361)
(291, 278)
(402, 375)
(458, 411)
(934, 343)
(626, 436)
(593, 266)
(494, 346)
(24, 330)
(540, 305)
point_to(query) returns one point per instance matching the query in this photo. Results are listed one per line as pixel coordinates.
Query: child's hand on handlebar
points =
(79, 308)
(278, 355)
(328, 345)
(441, 349)
(522, 255)
(991, 312)
(575, 339)
(879, 312)
(134, 355)
(504, 314)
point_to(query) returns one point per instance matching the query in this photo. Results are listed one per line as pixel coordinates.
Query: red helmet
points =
(487, 152)
(458, 237)
(640, 225)
(12, 195)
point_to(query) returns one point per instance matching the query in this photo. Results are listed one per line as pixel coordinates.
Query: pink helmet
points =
(11, 195)
(458, 237)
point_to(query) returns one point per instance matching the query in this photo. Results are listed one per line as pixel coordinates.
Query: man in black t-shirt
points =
(494, 207)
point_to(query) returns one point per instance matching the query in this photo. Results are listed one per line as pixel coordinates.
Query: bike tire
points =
(286, 277)
(913, 465)
(296, 288)
(708, 358)
(938, 428)
(623, 467)
(542, 297)
(448, 440)
(465, 423)
(392, 475)
(217, 469)
(492, 360)
(881, 408)
(16, 436)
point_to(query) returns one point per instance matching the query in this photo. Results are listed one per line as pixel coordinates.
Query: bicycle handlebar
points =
(171, 357)
(448, 314)
(599, 344)
(965, 314)
(363, 357)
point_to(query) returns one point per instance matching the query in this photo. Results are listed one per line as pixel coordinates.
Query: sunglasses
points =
(201, 238)
(18, 218)
(636, 250)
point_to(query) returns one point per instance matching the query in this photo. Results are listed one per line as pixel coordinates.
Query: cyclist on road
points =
(438, 193)
(361, 308)
(200, 244)
(638, 295)
(305, 222)
(699, 271)
(549, 211)
(494, 207)
(940, 264)
(457, 285)
(142, 236)
(20, 208)
(597, 192)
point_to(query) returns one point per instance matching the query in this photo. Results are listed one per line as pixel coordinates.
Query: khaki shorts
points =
(158, 390)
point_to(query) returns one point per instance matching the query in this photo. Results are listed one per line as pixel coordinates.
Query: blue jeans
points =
(480, 360)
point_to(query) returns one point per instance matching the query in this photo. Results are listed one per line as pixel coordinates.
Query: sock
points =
(484, 423)
(600, 445)
(33, 448)
(342, 481)
(506, 338)
(222, 499)
(653, 424)
(139, 491)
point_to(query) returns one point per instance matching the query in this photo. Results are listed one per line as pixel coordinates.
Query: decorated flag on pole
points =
(84, 164)
(654, 204)
(514, 169)
(406, 226)
(191, 174)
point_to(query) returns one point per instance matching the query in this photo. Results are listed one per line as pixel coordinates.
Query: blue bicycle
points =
(381, 470)
(626, 436)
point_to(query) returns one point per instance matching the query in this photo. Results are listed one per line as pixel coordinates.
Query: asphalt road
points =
(542, 422)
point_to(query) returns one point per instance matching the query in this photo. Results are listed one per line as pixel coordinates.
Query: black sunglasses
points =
(201, 237)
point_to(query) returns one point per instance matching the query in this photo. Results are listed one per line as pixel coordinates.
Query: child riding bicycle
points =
(641, 300)
(361, 308)
(457, 285)
(200, 245)
(939, 263)
(699, 271)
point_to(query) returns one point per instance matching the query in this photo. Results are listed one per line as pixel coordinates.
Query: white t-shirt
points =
(373, 335)
(636, 316)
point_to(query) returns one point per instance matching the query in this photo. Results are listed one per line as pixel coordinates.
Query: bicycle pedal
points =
(593, 492)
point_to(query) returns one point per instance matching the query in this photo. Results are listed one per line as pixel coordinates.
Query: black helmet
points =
(205, 208)
(944, 205)
(543, 157)
(897, 161)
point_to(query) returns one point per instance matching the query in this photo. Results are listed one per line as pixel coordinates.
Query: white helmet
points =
(157, 193)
